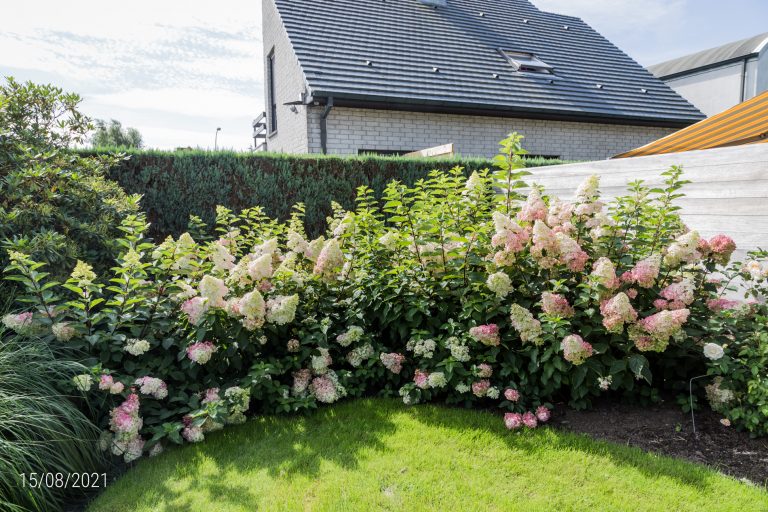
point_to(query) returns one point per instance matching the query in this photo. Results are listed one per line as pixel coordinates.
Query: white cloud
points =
(625, 14)
(198, 60)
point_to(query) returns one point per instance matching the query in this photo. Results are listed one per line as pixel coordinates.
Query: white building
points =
(374, 76)
(717, 79)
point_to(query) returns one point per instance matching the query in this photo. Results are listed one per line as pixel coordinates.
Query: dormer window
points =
(527, 62)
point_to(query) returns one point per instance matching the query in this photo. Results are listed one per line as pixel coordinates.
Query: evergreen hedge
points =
(177, 184)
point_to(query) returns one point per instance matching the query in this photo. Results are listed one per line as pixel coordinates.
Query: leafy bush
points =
(42, 431)
(458, 290)
(55, 204)
(738, 356)
(176, 185)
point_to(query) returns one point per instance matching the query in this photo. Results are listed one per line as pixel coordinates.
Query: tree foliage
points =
(55, 203)
(113, 135)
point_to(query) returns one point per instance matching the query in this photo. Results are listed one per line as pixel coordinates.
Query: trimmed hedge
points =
(178, 184)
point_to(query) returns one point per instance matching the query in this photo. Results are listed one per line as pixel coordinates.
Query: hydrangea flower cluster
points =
(281, 309)
(437, 380)
(500, 284)
(330, 260)
(511, 394)
(713, 351)
(301, 380)
(201, 352)
(616, 312)
(575, 349)
(653, 333)
(108, 383)
(125, 423)
(136, 347)
(717, 395)
(19, 322)
(486, 334)
(351, 335)
(421, 379)
(604, 274)
(195, 308)
(326, 388)
(484, 370)
(683, 250)
(556, 305)
(238, 401)
(459, 350)
(644, 273)
(360, 354)
(422, 348)
(392, 361)
(83, 382)
(676, 296)
(62, 331)
(528, 327)
(480, 387)
(320, 363)
(152, 386)
(721, 248)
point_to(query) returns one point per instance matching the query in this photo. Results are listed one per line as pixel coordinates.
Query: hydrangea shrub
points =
(465, 291)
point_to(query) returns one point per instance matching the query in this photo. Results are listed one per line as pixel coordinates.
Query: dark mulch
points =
(664, 429)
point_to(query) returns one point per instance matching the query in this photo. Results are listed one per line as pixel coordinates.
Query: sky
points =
(178, 69)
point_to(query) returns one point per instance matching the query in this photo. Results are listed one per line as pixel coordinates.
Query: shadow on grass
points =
(343, 435)
(649, 465)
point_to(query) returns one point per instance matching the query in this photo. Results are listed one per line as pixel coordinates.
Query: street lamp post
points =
(216, 140)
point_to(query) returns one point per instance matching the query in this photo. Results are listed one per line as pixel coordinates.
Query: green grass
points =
(379, 455)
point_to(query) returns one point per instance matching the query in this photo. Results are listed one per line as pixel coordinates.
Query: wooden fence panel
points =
(728, 193)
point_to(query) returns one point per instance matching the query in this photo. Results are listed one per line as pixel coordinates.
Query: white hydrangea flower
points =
(136, 347)
(713, 351)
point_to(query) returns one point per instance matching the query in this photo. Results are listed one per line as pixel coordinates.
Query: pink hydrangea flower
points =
(721, 304)
(556, 305)
(195, 308)
(324, 388)
(107, 383)
(646, 271)
(480, 387)
(152, 386)
(301, 379)
(421, 379)
(542, 414)
(484, 370)
(512, 395)
(486, 334)
(575, 349)
(201, 352)
(529, 420)
(211, 395)
(513, 420)
(604, 274)
(392, 361)
(534, 208)
(722, 247)
(616, 312)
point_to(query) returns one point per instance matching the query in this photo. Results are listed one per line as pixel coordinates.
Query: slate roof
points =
(708, 58)
(404, 54)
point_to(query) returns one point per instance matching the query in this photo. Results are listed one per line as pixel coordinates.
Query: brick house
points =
(393, 76)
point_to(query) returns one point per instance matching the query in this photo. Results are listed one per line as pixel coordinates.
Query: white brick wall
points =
(352, 129)
(291, 134)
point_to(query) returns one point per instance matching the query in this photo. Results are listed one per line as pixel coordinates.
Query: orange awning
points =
(746, 123)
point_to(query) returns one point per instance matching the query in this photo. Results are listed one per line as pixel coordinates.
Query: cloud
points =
(621, 14)
(198, 60)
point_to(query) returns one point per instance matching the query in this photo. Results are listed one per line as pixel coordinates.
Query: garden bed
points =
(666, 430)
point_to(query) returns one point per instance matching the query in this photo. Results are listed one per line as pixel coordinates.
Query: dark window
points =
(271, 92)
(384, 152)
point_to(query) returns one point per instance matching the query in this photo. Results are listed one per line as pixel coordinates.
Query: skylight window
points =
(527, 63)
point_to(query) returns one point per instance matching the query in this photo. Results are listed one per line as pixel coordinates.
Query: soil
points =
(665, 429)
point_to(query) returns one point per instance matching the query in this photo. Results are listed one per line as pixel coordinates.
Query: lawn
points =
(380, 455)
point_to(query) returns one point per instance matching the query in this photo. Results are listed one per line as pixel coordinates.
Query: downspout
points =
(324, 125)
(744, 80)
